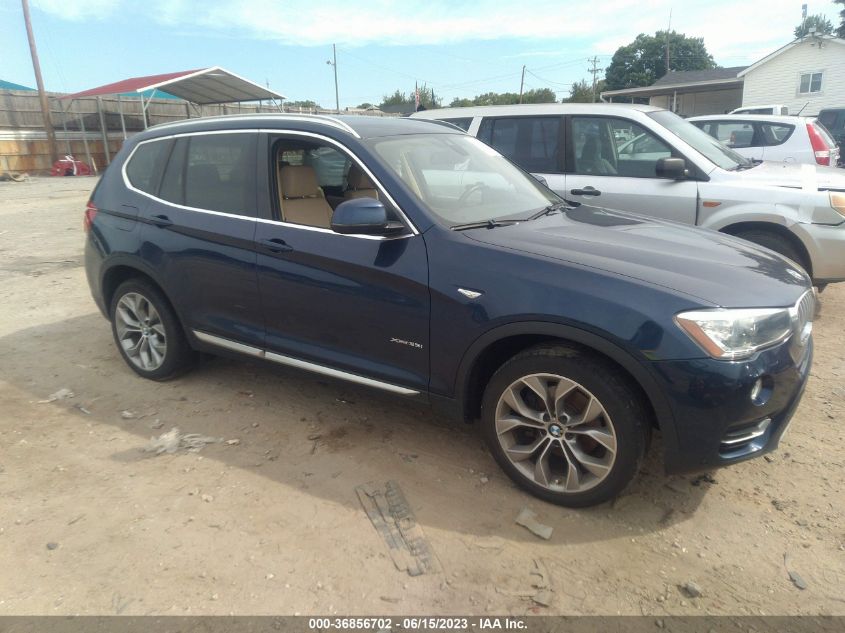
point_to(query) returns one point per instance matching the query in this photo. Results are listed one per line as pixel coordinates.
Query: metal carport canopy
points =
(203, 86)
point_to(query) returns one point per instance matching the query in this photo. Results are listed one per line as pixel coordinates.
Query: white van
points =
(650, 161)
(778, 110)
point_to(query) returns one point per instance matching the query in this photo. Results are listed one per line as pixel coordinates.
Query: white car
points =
(668, 169)
(789, 139)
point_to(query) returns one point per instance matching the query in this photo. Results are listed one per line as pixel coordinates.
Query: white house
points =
(806, 75)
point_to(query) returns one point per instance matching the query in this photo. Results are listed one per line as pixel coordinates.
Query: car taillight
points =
(821, 150)
(90, 214)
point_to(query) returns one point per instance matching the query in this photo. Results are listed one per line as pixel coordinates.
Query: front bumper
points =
(826, 246)
(716, 421)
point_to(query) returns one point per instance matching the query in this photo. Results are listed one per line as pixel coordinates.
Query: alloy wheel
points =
(140, 331)
(556, 433)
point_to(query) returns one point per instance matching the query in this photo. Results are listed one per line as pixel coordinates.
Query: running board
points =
(290, 361)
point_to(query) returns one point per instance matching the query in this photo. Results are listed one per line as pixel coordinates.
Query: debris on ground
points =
(126, 414)
(173, 441)
(692, 589)
(207, 498)
(395, 522)
(794, 576)
(528, 520)
(543, 598)
(83, 409)
(51, 545)
(234, 442)
(706, 478)
(61, 394)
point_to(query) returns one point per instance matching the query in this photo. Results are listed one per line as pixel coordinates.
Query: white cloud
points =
(734, 31)
(75, 11)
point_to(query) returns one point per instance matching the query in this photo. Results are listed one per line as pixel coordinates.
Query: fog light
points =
(761, 391)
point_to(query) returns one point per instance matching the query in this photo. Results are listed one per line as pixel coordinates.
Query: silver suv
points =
(650, 161)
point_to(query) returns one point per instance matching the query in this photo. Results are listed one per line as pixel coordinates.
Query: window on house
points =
(810, 82)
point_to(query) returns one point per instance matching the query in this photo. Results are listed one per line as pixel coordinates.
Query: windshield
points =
(700, 140)
(461, 180)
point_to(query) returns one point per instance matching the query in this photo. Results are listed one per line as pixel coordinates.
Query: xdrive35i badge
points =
(408, 343)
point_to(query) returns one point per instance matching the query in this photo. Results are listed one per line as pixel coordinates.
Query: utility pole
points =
(42, 96)
(668, 31)
(521, 83)
(594, 70)
(333, 63)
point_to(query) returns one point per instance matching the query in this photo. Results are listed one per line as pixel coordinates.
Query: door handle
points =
(276, 245)
(586, 191)
(161, 220)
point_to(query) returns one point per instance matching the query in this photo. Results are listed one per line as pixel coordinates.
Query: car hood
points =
(794, 175)
(711, 267)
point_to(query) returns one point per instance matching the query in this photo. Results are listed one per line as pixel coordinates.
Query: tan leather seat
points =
(359, 185)
(303, 201)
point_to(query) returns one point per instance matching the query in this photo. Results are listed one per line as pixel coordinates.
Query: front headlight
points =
(837, 201)
(734, 334)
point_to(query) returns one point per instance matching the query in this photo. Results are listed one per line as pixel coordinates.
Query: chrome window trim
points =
(366, 170)
(382, 190)
(298, 363)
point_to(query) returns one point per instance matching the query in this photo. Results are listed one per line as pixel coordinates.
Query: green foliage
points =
(428, 100)
(539, 95)
(365, 106)
(305, 105)
(840, 32)
(643, 61)
(582, 92)
(822, 25)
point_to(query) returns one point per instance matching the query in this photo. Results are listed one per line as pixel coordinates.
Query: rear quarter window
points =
(145, 165)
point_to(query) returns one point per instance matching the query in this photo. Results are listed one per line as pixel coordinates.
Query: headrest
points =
(299, 181)
(357, 179)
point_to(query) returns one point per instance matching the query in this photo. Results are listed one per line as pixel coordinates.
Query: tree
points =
(537, 95)
(643, 61)
(582, 92)
(822, 25)
(841, 30)
(304, 105)
(428, 100)
(365, 106)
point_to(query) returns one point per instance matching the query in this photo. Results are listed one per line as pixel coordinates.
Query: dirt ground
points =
(271, 524)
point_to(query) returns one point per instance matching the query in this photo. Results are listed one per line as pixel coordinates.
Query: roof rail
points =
(313, 118)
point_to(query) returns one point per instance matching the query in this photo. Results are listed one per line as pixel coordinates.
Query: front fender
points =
(639, 369)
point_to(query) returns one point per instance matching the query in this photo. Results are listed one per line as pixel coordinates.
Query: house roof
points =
(202, 86)
(681, 77)
(8, 85)
(793, 43)
(685, 81)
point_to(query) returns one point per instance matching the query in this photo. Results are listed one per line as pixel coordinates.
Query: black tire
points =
(178, 356)
(777, 243)
(623, 404)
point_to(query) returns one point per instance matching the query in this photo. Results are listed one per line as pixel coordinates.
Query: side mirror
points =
(363, 216)
(540, 179)
(671, 168)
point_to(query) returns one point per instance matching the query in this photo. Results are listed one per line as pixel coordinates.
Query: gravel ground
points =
(268, 521)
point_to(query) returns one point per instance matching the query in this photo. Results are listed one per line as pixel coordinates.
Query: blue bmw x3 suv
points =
(407, 256)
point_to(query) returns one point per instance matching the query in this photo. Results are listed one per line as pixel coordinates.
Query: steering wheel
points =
(477, 187)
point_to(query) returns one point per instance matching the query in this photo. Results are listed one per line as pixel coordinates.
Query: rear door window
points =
(220, 172)
(145, 166)
(462, 123)
(533, 143)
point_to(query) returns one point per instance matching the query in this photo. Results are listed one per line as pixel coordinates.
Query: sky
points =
(460, 49)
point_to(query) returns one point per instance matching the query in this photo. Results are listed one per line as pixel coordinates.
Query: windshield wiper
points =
(556, 206)
(492, 223)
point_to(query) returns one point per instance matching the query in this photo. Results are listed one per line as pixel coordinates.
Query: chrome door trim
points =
(290, 361)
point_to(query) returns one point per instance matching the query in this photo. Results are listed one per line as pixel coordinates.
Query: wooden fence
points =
(86, 127)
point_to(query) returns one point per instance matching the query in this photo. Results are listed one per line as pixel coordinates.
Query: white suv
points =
(790, 139)
(650, 161)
